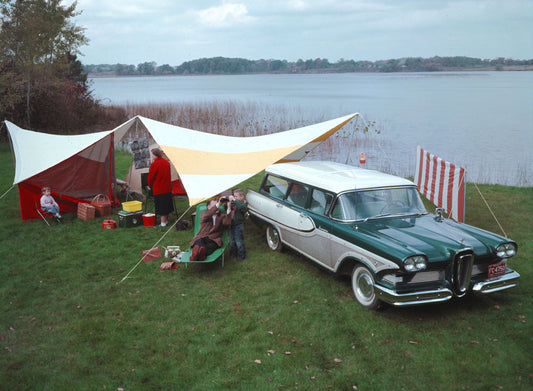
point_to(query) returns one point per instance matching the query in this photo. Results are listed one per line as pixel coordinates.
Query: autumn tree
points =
(39, 45)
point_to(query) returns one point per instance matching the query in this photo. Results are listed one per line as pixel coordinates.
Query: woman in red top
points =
(160, 182)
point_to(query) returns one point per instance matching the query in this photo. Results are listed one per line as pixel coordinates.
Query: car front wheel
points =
(273, 239)
(363, 287)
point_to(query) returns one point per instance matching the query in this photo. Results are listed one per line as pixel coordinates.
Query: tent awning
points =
(207, 164)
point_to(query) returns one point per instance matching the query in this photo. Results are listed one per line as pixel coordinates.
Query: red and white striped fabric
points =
(441, 182)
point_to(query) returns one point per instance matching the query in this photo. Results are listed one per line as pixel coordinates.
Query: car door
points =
(317, 244)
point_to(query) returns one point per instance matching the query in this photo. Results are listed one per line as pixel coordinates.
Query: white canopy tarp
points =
(208, 163)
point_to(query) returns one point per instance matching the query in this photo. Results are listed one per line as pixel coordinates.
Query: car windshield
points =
(366, 204)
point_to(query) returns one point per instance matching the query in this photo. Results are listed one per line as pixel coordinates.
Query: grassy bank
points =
(273, 321)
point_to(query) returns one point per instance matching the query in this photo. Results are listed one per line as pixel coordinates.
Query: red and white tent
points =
(75, 167)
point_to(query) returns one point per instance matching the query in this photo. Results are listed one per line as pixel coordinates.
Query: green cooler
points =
(130, 219)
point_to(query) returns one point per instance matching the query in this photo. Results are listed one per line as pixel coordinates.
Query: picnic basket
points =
(102, 205)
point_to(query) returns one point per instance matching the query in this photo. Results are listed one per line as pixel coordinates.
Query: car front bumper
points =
(495, 284)
(403, 299)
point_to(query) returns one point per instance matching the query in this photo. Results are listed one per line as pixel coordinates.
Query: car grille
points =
(462, 271)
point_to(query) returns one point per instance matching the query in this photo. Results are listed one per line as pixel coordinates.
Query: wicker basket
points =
(102, 204)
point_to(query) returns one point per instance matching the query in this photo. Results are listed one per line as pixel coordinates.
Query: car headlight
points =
(415, 264)
(506, 250)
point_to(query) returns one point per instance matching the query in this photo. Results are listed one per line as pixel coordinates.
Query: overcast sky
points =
(175, 31)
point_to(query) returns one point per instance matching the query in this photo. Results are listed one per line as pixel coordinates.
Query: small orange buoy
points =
(109, 224)
(362, 158)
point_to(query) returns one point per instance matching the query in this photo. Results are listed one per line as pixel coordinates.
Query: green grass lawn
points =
(274, 321)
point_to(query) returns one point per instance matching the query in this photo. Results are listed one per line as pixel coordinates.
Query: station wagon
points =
(374, 227)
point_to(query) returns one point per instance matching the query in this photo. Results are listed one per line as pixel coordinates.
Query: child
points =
(237, 226)
(48, 203)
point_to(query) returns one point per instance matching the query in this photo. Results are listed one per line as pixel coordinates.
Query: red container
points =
(149, 220)
(109, 224)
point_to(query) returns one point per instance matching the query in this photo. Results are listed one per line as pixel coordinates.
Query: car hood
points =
(439, 239)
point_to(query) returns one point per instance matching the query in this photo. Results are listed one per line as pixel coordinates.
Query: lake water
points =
(482, 121)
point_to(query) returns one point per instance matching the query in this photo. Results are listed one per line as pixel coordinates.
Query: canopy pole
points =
(161, 238)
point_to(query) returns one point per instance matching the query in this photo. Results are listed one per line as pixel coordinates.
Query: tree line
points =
(42, 83)
(224, 65)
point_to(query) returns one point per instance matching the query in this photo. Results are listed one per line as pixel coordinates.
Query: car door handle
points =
(279, 206)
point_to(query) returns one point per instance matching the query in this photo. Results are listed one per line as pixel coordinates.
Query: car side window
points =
(275, 186)
(320, 201)
(344, 208)
(298, 194)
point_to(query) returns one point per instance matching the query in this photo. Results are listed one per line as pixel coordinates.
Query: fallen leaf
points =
(288, 353)
(78, 306)
(11, 328)
(257, 361)
(497, 307)
(295, 301)
(271, 351)
(9, 349)
(474, 341)
(270, 332)
(337, 360)
(313, 377)
(3, 336)
(414, 342)
(33, 319)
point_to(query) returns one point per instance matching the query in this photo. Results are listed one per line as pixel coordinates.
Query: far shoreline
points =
(508, 68)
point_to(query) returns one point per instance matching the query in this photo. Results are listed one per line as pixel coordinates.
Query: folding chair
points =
(218, 253)
(43, 213)
(147, 192)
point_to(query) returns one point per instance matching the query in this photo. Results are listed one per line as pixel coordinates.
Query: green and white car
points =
(374, 227)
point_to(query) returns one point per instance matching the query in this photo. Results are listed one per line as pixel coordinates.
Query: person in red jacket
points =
(160, 182)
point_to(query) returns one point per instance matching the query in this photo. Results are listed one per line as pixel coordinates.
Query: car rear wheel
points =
(273, 239)
(363, 287)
